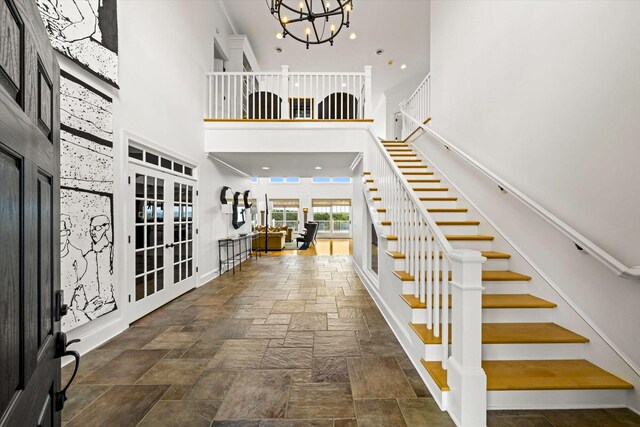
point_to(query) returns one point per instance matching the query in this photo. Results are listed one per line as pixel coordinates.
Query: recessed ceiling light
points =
(403, 67)
(265, 168)
(379, 52)
(279, 36)
(296, 84)
(353, 36)
(390, 62)
(278, 50)
(318, 168)
(344, 85)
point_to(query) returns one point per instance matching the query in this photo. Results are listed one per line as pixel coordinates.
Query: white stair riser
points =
(468, 230)
(433, 352)
(550, 351)
(478, 245)
(497, 315)
(496, 264)
(490, 264)
(440, 204)
(505, 287)
(415, 185)
(556, 399)
(448, 216)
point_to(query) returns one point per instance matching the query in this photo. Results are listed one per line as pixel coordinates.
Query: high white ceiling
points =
(400, 27)
(290, 164)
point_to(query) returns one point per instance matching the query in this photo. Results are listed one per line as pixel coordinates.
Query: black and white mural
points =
(86, 201)
(85, 31)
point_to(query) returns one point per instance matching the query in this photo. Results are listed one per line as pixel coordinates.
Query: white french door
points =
(161, 228)
(333, 217)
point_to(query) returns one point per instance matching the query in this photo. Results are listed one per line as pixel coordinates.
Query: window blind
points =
(316, 203)
(285, 203)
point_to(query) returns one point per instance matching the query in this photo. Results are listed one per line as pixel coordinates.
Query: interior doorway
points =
(333, 217)
(162, 234)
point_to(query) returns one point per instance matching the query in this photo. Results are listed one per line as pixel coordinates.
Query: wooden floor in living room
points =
(324, 247)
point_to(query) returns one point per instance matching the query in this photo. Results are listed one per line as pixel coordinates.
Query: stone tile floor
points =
(291, 341)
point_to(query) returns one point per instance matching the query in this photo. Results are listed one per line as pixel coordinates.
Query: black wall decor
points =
(223, 195)
(238, 211)
(247, 205)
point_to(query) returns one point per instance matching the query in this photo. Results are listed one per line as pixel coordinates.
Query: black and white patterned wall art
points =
(85, 31)
(86, 202)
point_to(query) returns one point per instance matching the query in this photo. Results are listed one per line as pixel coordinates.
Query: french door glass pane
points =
(183, 232)
(149, 235)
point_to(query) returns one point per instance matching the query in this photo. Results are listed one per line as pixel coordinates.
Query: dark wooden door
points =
(29, 219)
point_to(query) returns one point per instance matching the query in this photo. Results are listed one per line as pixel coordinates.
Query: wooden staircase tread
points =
(468, 237)
(417, 173)
(413, 166)
(486, 254)
(505, 375)
(447, 210)
(405, 154)
(402, 160)
(493, 301)
(430, 189)
(511, 333)
(487, 276)
(441, 223)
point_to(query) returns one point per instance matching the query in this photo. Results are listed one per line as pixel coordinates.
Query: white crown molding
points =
(231, 28)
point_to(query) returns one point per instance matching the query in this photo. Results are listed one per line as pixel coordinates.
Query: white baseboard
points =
(96, 337)
(207, 277)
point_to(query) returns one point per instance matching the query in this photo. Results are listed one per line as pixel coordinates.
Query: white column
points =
(284, 93)
(368, 102)
(467, 401)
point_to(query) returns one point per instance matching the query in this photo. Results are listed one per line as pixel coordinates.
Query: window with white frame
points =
(285, 212)
(331, 180)
(332, 215)
(284, 180)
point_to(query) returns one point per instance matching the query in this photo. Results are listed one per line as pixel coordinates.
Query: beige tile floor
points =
(289, 341)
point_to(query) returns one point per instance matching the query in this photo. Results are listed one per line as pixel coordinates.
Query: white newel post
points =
(467, 400)
(284, 93)
(368, 105)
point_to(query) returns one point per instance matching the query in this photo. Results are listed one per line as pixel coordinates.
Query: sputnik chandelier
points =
(312, 21)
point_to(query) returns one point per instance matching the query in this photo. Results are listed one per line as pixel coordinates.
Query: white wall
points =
(380, 117)
(165, 49)
(305, 191)
(546, 95)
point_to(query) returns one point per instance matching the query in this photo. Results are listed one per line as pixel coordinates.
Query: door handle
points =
(61, 351)
(169, 245)
(61, 309)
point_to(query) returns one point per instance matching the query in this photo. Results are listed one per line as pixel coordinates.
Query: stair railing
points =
(430, 258)
(418, 106)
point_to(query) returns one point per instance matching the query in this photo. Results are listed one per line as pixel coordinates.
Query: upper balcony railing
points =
(418, 107)
(284, 95)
